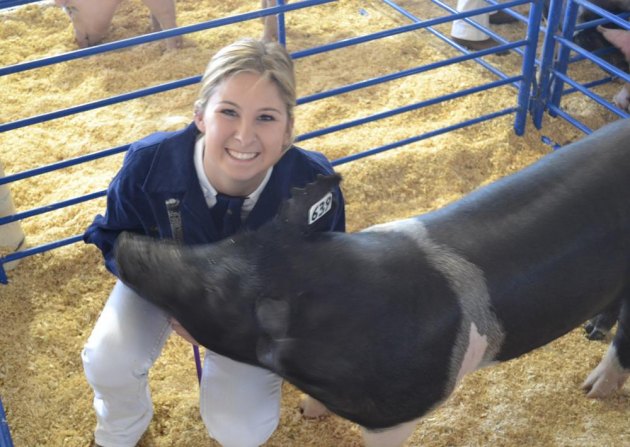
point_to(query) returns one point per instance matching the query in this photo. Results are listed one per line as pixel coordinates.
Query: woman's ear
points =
(201, 126)
(288, 135)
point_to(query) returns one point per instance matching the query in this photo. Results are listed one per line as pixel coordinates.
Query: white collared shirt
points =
(210, 192)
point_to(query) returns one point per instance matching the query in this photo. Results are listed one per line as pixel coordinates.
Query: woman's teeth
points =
(242, 155)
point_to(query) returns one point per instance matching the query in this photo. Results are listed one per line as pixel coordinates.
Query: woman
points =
(232, 167)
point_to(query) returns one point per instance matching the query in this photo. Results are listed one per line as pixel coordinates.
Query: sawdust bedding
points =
(53, 299)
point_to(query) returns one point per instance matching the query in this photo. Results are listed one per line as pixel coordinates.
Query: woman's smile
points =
(242, 156)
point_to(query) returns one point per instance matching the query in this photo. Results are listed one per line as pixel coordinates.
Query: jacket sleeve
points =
(124, 209)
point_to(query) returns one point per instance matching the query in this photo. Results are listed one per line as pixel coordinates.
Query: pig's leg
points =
(312, 408)
(162, 18)
(90, 20)
(621, 39)
(614, 369)
(270, 22)
(389, 437)
(622, 98)
(599, 327)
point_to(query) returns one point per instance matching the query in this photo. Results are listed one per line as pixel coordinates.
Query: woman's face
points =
(246, 129)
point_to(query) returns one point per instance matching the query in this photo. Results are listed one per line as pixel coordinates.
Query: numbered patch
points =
(320, 208)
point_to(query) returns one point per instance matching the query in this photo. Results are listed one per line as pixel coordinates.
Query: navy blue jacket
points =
(159, 169)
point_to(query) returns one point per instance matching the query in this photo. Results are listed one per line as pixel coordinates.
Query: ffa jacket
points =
(157, 193)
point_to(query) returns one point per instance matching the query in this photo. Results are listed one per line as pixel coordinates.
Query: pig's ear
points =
(308, 207)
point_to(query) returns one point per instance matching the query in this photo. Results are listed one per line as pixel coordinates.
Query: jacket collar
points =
(173, 170)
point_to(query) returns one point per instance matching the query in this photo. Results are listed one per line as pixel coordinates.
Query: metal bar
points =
(590, 56)
(51, 207)
(282, 32)
(421, 137)
(403, 29)
(454, 16)
(549, 47)
(602, 12)
(528, 68)
(562, 114)
(404, 73)
(606, 18)
(100, 103)
(406, 108)
(63, 164)
(197, 358)
(5, 4)
(5, 433)
(33, 251)
(124, 43)
(591, 84)
(595, 97)
(561, 65)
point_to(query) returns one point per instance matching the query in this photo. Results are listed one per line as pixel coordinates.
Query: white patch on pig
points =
(608, 377)
(469, 284)
(477, 345)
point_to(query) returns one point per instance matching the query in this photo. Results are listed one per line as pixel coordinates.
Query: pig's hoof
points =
(312, 408)
(596, 334)
(601, 386)
(606, 378)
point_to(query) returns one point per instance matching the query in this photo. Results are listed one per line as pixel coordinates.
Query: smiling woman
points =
(54, 299)
(236, 171)
(246, 129)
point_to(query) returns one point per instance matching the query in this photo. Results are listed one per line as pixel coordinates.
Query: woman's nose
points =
(245, 132)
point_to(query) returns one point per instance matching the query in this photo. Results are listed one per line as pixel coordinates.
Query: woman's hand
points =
(179, 330)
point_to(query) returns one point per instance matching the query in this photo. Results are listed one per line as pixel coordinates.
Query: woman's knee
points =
(107, 363)
(242, 432)
(127, 338)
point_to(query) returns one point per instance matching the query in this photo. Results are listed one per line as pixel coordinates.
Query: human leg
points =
(465, 31)
(125, 342)
(239, 403)
(470, 37)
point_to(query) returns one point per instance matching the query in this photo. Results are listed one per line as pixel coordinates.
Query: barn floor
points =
(48, 309)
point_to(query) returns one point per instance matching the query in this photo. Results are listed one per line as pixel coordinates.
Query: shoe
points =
(478, 45)
(501, 17)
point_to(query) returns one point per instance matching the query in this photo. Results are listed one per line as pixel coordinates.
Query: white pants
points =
(239, 403)
(463, 30)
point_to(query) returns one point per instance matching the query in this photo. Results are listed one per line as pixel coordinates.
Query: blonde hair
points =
(268, 58)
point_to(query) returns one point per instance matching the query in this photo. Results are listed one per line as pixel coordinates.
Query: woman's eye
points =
(228, 112)
(266, 117)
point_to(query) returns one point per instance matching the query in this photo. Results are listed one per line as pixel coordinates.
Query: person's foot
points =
(501, 17)
(478, 45)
